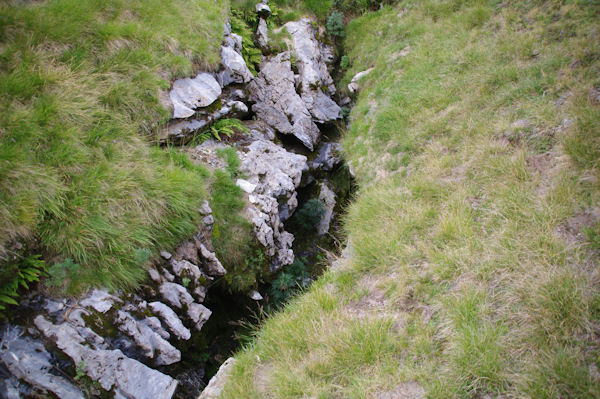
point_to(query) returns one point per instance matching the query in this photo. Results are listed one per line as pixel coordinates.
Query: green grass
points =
(79, 106)
(474, 249)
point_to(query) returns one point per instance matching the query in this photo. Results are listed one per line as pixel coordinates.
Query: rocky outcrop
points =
(111, 368)
(235, 68)
(262, 34)
(278, 104)
(315, 84)
(273, 176)
(28, 360)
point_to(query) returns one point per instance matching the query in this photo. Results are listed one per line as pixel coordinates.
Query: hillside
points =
(472, 260)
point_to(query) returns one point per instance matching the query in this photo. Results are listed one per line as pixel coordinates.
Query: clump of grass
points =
(473, 262)
(79, 84)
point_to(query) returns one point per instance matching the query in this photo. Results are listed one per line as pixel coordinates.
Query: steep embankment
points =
(79, 89)
(472, 263)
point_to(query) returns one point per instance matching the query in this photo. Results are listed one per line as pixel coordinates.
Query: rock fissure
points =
(133, 344)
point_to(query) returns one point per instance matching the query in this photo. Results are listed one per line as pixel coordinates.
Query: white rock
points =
(255, 295)
(171, 320)
(245, 185)
(188, 94)
(217, 383)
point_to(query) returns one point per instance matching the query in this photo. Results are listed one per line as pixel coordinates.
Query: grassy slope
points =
(79, 90)
(472, 269)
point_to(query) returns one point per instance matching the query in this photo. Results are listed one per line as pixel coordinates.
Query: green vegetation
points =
(475, 142)
(335, 25)
(79, 103)
(309, 215)
(287, 283)
(19, 276)
(245, 28)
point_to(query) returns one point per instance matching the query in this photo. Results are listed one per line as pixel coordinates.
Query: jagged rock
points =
(354, 86)
(100, 300)
(154, 323)
(52, 306)
(234, 41)
(171, 320)
(168, 276)
(165, 255)
(316, 85)
(187, 251)
(152, 343)
(268, 229)
(205, 208)
(278, 104)
(199, 314)
(263, 10)
(210, 263)
(276, 173)
(10, 388)
(262, 34)
(217, 383)
(188, 94)
(328, 157)
(154, 275)
(175, 294)
(272, 169)
(235, 68)
(327, 199)
(28, 360)
(200, 292)
(111, 368)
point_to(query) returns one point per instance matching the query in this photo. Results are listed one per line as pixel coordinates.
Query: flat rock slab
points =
(188, 94)
(111, 368)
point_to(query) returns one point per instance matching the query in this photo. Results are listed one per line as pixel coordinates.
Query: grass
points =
(79, 105)
(473, 267)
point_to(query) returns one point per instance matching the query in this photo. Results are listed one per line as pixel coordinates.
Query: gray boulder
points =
(235, 68)
(315, 83)
(217, 383)
(171, 320)
(328, 157)
(100, 300)
(147, 339)
(111, 368)
(188, 94)
(263, 10)
(278, 104)
(28, 360)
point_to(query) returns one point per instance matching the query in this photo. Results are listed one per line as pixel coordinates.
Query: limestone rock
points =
(327, 199)
(353, 87)
(171, 320)
(217, 383)
(199, 314)
(151, 342)
(175, 294)
(210, 263)
(188, 94)
(278, 104)
(235, 68)
(100, 300)
(316, 84)
(245, 185)
(263, 10)
(328, 157)
(111, 368)
(28, 360)
(262, 34)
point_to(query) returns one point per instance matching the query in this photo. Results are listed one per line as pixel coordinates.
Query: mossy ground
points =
(473, 268)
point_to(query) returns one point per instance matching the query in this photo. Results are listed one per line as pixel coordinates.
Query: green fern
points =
(28, 271)
(227, 127)
(250, 52)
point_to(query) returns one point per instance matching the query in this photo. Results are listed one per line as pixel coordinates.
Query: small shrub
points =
(344, 62)
(335, 25)
(289, 280)
(309, 216)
